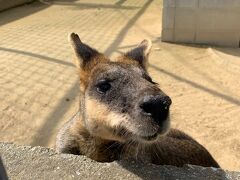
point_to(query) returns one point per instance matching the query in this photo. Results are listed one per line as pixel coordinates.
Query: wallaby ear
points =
(84, 53)
(140, 53)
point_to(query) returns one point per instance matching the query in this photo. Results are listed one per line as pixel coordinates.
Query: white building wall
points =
(213, 22)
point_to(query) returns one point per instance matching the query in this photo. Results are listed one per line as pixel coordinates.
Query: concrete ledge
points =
(25, 162)
(212, 22)
(6, 4)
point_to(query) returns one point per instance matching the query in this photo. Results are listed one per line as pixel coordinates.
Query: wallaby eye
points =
(103, 86)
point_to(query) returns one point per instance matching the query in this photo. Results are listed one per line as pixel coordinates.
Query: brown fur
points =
(112, 128)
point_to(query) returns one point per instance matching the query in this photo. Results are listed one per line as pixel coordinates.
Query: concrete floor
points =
(39, 87)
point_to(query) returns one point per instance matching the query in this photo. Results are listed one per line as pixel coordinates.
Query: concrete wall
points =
(25, 162)
(213, 22)
(6, 4)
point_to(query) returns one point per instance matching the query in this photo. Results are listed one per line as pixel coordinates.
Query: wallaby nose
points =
(156, 106)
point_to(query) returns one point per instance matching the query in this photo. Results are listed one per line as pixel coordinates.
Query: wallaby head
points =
(119, 100)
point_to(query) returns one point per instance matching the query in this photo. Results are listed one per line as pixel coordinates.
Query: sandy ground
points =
(39, 88)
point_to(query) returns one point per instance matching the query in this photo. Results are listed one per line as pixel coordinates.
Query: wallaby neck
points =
(93, 146)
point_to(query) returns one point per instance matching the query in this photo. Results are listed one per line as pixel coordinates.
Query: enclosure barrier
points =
(212, 22)
(25, 162)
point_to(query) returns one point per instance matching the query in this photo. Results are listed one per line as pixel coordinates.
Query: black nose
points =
(156, 107)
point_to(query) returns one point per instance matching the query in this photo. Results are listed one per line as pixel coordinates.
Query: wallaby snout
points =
(156, 107)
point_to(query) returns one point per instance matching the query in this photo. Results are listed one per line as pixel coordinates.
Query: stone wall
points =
(213, 22)
(25, 162)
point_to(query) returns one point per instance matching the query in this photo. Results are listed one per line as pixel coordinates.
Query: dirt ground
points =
(39, 88)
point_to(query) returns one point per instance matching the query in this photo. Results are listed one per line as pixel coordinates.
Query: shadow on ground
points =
(42, 57)
(18, 13)
(80, 5)
(230, 99)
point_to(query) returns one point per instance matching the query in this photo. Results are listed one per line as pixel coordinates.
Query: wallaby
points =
(124, 114)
